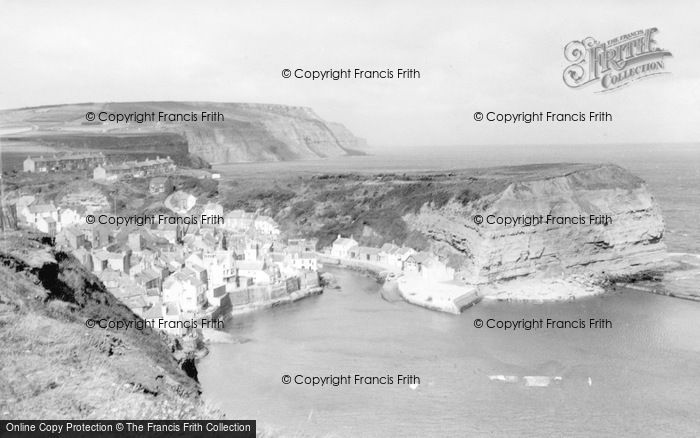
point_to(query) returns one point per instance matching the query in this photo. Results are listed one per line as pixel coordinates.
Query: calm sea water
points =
(639, 378)
(643, 372)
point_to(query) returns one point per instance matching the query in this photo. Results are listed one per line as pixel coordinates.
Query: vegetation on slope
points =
(371, 207)
(55, 367)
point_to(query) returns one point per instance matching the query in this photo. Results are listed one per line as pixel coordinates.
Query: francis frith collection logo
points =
(615, 63)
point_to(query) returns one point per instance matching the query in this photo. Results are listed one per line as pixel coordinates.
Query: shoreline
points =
(454, 297)
(291, 298)
(214, 336)
(373, 270)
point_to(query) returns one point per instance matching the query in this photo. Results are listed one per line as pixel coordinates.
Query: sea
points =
(638, 377)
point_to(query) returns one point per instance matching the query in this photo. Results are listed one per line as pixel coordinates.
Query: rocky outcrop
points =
(436, 210)
(626, 239)
(244, 132)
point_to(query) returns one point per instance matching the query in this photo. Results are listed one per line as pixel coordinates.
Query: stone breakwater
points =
(627, 243)
(449, 297)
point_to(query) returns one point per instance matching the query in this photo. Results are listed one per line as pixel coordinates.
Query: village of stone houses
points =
(169, 273)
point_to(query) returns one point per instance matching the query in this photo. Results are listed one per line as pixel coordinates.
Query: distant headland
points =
(215, 132)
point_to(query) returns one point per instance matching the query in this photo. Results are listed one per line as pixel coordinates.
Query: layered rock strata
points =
(593, 219)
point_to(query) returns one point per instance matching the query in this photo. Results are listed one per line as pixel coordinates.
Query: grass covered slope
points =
(373, 207)
(54, 367)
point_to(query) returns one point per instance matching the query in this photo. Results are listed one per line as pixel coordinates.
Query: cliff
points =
(248, 132)
(436, 210)
(55, 367)
(620, 235)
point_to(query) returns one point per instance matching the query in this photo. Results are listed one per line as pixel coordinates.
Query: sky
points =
(503, 56)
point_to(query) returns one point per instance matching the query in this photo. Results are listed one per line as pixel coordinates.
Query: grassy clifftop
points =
(55, 367)
(372, 207)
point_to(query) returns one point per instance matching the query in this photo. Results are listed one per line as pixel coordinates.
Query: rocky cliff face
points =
(269, 133)
(626, 240)
(436, 210)
(246, 132)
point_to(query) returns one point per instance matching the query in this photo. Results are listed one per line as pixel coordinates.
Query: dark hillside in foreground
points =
(94, 373)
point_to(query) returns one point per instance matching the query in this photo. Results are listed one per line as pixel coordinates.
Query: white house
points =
(255, 270)
(99, 173)
(194, 260)
(180, 202)
(394, 256)
(220, 267)
(198, 272)
(23, 203)
(33, 212)
(164, 316)
(387, 254)
(186, 290)
(68, 217)
(239, 220)
(266, 225)
(100, 260)
(119, 261)
(29, 165)
(47, 224)
(366, 254)
(251, 251)
(299, 259)
(305, 261)
(342, 246)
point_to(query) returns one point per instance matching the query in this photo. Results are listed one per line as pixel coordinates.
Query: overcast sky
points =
(504, 56)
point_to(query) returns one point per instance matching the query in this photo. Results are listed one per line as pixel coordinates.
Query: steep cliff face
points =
(241, 132)
(618, 233)
(269, 133)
